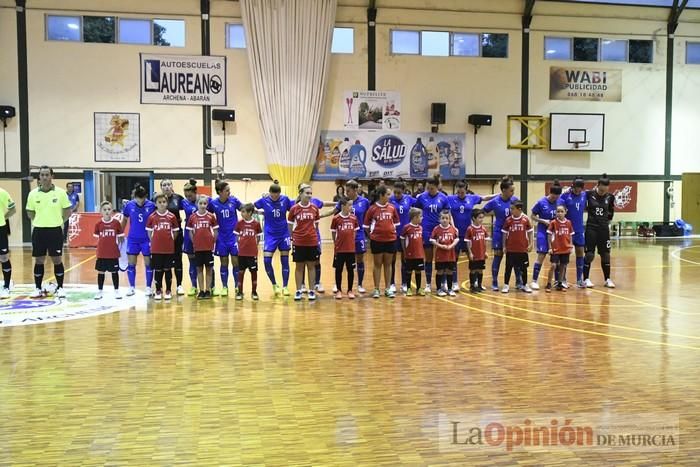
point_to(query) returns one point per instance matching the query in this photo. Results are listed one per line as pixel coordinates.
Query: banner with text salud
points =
(183, 79)
(585, 84)
(362, 154)
(372, 110)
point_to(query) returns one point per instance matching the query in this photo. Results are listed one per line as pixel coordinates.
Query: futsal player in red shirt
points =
(303, 220)
(560, 232)
(380, 224)
(413, 252)
(109, 237)
(203, 229)
(344, 227)
(248, 231)
(517, 238)
(162, 227)
(445, 238)
(476, 249)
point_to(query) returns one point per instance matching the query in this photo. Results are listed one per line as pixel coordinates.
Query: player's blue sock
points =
(318, 274)
(429, 274)
(235, 276)
(360, 272)
(193, 274)
(269, 269)
(149, 276)
(536, 271)
(285, 270)
(495, 267)
(579, 268)
(556, 274)
(131, 274)
(223, 271)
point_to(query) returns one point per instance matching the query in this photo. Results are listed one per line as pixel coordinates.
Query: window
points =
(343, 41)
(435, 44)
(135, 31)
(405, 42)
(557, 48)
(613, 50)
(100, 29)
(169, 32)
(641, 51)
(465, 45)
(586, 49)
(63, 28)
(235, 36)
(494, 45)
(692, 53)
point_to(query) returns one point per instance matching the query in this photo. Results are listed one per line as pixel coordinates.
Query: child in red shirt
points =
(413, 252)
(162, 227)
(343, 229)
(380, 224)
(517, 241)
(203, 230)
(303, 220)
(476, 249)
(109, 238)
(445, 238)
(248, 231)
(560, 232)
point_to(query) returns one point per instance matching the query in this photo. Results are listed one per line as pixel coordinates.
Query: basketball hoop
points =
(581, 144)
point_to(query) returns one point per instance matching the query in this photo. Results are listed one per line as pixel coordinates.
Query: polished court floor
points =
(353, 383)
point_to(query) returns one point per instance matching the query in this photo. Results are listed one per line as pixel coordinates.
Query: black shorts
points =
(47, 241)
(382, 247)
(517, 259)
(248, 262)
(4, 241)
(445, 266)
(107, 265)
(415, 264)
(161, 261)
(560, 259)
(477, 265)
(597, 238)
(341, 259)
(305, 254)
(204, 259)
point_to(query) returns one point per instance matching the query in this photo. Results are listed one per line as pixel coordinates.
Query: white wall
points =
(8, 85)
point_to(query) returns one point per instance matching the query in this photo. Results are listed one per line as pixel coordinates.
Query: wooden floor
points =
(353, 383)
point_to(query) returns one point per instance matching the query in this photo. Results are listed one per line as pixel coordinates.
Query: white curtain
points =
(288, 44)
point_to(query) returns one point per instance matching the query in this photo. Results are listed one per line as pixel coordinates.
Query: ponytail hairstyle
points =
(191, 186)
(555, 189)
(578, 183)
(275, 188)
(381, 191)
(506, 182)
(462, 184)
(140, 191)
(220, 185)
(604, 180)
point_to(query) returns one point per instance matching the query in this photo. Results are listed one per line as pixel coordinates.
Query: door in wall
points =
(690, 202)
(123, 184)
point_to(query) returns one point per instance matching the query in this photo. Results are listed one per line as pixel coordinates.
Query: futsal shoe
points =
(201, 295)
(118, 294)
(408, 292)
(239, 295)
(404, 288)
(452, 293)
(609, 284)
(148, 292)
(548, 288)
(473, 289)
(335, 289)
(389, 293)
(441, 292)
(158, 295)
(376, 293)
(526, 289)
(319, 288)
(534, 286)
(285, 291)
(168, 295)
(420, 292)
(192, 292)
(297, 295)
(427, 289)
(392, 288)
(98, 295)
(455, 287)
(4, 293)
(223, 292)
(180, 290)
(565, 284)
(312, 295)
(494, 287)
(588, 283)
(276, 290)
(207, 295)
(131, 292)
(60, 292)
(338, 294)
(580, 284)
(303, 288)
(351, 295)
(37, 293)
(505, 289)
(254, 296)
(361, 289)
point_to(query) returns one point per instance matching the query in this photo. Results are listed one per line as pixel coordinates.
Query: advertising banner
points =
(361, 154)
(625, 194)
(183, 79)
(372, 110)
(585, 84)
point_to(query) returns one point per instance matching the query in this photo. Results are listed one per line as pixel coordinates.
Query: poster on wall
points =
(585, 84)
(361, 154)
(625, 194)
(117, 137)
(372, 110)
(183, 79)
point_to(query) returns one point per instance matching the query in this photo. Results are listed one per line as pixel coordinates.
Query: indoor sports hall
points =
(349, 232)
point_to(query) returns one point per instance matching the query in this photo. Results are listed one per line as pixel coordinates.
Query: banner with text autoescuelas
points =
(183, 79)
(585, 84)
(362, 154)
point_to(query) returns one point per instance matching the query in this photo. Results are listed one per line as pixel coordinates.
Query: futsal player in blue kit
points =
(461, 206)
(275, 207)
(136, 212)
(432, 202)
(575, 202)
(543, 212)
(360, 205)
(225, 207)
(500, 207)
(403, 204)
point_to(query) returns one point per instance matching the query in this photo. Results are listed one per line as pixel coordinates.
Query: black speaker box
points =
(437, 113)
(7, 111)
(223, 115)
(479, 120)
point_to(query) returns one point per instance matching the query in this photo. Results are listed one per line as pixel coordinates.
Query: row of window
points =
(171, 32)
(445, 44)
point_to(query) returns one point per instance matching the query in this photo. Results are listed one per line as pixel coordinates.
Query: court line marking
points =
(73, 267)
(580, 320)
(647, 304)
(676, 254)
(566, 328)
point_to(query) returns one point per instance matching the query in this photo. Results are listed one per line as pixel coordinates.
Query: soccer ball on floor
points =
(50, 288)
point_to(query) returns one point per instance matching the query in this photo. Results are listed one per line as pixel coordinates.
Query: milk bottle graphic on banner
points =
(433, 157)
(419, 160)
(358, 157)
(344, 148)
